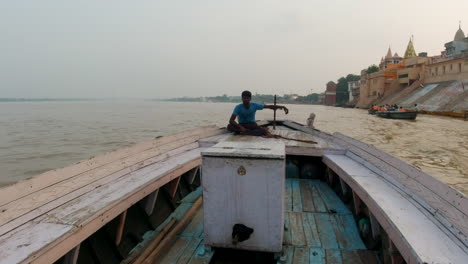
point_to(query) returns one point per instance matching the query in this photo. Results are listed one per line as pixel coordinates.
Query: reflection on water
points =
(36, 137)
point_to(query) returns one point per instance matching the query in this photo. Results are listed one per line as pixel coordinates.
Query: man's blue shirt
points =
(245, 115)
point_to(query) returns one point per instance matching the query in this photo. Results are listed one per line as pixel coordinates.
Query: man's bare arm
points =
(233, 122)
(275, 107)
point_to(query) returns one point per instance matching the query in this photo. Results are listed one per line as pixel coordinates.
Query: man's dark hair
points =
(247, 93)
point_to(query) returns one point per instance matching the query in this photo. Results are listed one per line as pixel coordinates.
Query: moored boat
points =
(343, 202)
(410, 115)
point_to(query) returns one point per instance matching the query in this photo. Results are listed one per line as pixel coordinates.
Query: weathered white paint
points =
(449, 206)
(254, 199)
(22, 188)
(83, 216)
(31, 206)
(417, 237)
(264, 149)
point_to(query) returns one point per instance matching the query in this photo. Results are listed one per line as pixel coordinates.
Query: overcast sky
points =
(160, 49)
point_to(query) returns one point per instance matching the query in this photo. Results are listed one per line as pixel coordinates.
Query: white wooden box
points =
(243, 183)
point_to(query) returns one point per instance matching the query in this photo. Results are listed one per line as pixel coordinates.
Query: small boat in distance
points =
(408, 115)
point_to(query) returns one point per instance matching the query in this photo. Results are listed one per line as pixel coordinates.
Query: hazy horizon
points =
(153, 49)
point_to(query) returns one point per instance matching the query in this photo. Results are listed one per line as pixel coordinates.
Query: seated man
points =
(245, 114)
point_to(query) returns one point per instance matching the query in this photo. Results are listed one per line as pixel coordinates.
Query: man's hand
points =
(242, 129)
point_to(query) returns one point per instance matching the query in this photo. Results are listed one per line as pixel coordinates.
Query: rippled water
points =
(36, 137)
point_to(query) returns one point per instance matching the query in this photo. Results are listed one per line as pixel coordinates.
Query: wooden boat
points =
(409, 115)
(346, 202)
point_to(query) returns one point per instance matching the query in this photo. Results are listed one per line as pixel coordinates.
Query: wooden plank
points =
(175, 252)
(332, 201)
(189, 251)
(287, 238)
(306, 196)
(190, 176)
(351, 257)
(429, 193)
(149, 202)
(375, 226)
(310, 230)
(22, 188)
(451, 195)
(287, 255)
(326, 231)
(172, 186)
(296, 196)
(202, 255)
(429, 199)
(297, 229)
(34, 205)
(417, 237)
(395, 257)
(317, 256)
(318, 201)
(445, 222)
(311, 151)
(107, 207)
(368, 257)
(333, 256)
(288, 200)
(195, 227)
(120, 228)
(356, 203)
(72, 256)
(301, 255)
(350, 231)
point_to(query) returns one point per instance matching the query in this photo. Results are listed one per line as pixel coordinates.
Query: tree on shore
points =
(342, 93)
(373, 68)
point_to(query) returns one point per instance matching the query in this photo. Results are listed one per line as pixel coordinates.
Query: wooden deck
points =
(319, 228)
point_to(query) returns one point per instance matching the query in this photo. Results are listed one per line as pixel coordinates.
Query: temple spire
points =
(389, 53)
(410, 52)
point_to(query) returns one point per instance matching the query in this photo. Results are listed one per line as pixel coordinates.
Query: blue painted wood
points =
(176, 250)
(288, 203)
(332, 201)
(318, 201)
(296, 196)
(352, 237)
(195, 227)
(306, 196)
(287, 232)
(326, 231)
(288, 253)
(350, 257)
(202, 255)
(301, 255)
(310, 230)
(189, 251)
(297, 229)
(333, 256)
(316, 256)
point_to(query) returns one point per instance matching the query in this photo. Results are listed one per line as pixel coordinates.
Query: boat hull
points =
(398, 115)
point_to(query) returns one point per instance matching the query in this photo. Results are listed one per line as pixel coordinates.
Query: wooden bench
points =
(47, 216)
(414, 230)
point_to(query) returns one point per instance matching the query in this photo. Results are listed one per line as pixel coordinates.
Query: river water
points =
(39, 136)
